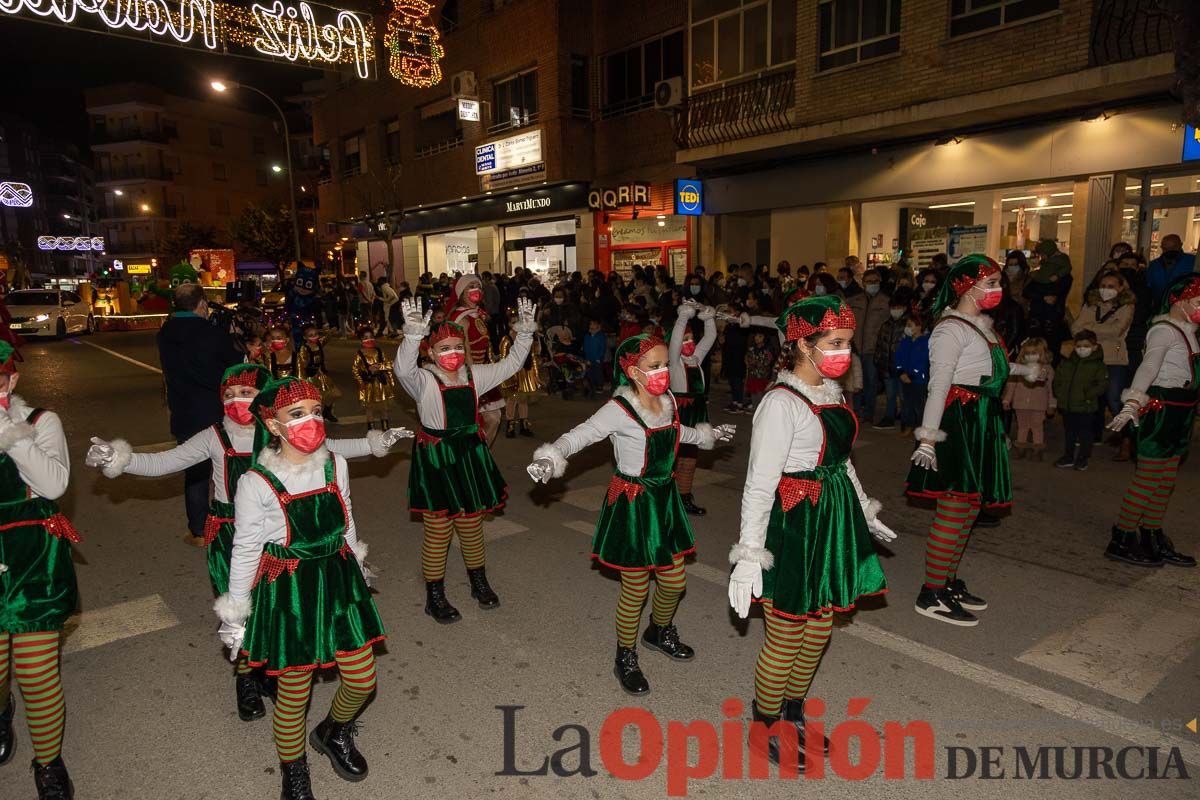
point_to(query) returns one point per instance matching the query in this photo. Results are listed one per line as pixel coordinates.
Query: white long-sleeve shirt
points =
(259, 516)
(38, 450)
(678, 361)
(628, 437)
(787, 437)
(424, 386)
(206, 446)
(1167, 362)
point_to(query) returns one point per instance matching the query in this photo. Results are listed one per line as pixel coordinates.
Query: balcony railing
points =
(1123, 30)
(511, 124)
(105, 136)
(134, 173)
(630, 106)
(445, 146)
(736, 111)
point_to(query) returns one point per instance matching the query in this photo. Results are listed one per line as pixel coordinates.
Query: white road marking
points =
(116, 622)
(580, 526)
(1130, 645)
(500, 528)
(1106, 721)
(124, 357)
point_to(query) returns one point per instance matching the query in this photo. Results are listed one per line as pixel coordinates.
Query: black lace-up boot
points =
(249, 698)
(52, 780)
(480, 589)
(629, 673)
(335, 741)
(436, 604)
(665, 639)
(296, 783)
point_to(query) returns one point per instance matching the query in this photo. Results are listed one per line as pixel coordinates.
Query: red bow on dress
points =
(964, 396)
(620, 486)
(793, 490)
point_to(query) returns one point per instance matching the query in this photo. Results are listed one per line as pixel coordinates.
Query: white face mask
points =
(1032, 358)
(819, 289)
(897, 313)
(929, 287)
(872, 288)
(1107, 294)
(1084, 351)
(843, 284)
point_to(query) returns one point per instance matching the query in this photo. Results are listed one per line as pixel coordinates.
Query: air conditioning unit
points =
(463, 84)
(668, 94)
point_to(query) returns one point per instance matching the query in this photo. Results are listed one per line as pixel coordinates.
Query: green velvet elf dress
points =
(310, 603)
(824, 555)
(1165, 427)
(973, 458)
(693, 404)
(453, 472)
(37, 590)
(643, 524)
(219, 527)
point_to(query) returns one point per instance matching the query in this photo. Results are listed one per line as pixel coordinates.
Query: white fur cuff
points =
(417, 329)
(122, 456)
(1131, 394)
(15, 433)
(232, 610)
(707, 439)
(360, 551)
(872, 508)
(759, 555)
(929, 435)
(375, 442)
(551, 453)
(526, 326)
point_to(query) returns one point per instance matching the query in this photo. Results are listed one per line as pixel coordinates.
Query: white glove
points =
(3, 568)
(688, 309)
(723, 433)
(232, 635)
(1130, 414)
(541, 470)
(393, 435)
(744, 581)
(526, 312)
(744, 320)
(100, 454)
(880, 531)
(410, 312)
(368, 574)
(707, 313)
(925, 456)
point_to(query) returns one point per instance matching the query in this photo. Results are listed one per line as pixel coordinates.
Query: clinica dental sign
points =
(295, 31)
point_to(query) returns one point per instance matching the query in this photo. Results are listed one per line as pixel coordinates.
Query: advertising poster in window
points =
(927, 243)
(963, 241)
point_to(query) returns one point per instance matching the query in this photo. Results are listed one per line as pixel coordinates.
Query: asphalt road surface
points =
(1074, 652)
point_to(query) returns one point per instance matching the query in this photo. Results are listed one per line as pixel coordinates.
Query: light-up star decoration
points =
(15, 195)
(414, 44)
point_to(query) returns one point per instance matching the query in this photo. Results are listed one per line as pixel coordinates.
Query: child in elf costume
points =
(453, 480)
(280, 357)
(690, 389)
(312, 366)
(229, 447)
(298, 598)
(465, 309)
(1161, 404)
(37, 578)
(376, 384)
(643, 526)
(805, 547)
(520, 387)
(961, 458)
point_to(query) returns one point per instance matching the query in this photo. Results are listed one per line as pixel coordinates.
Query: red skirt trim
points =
(652, 568)
(212, 526)
(448, 515)
(313, 667)
(816, 615)
(57, 526)
(929, 495)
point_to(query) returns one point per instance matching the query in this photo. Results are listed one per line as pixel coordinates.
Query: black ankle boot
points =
(480, 589)
(249, 698)
(773, 744)
(510, 432)
(436, 604)
(628, 673)
(1125, 547)
(689, 505)
(296, 783)
(8, 742)
(1158, 544)
(793, 711)
(335, 740)
(526, 428)
(52, 780)
(665, 639)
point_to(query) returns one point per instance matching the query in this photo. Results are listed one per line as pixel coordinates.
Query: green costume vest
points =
(1165, 427)
(693, 404)
(310, 603)
(219, 527)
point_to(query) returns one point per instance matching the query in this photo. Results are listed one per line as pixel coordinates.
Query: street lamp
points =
(223, 86)
(145, 208)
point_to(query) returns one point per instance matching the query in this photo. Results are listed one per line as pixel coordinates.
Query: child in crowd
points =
(1031, 401)
(595, 352)
(886, 343)
(280, 357)
(256, 352)
(564, 352)
(1080, 381)
(760, 366)
(310, 360)
(912, 370)
(521, 386)
(630, 325)
(376, 383)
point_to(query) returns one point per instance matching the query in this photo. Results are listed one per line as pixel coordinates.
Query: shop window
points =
(732, 38)
(581, 101)
(971, 16)
(630, 75)
(352, 155)
(514, 101)
(391, 141)
(437, 133)
(857, 30)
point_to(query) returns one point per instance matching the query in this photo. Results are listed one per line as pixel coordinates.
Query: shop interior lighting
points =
(1042, 201)
(662, 223)
(1096, 116)
(953, 205)
(1133, 187)
(948, 140)
(1017, 199)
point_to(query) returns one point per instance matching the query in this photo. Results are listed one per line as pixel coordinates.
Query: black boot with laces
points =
(689, 505)
(629, 673)
(296, 782)
(52, 780)
(335, 741)
(436, 604)
(481, 590)
(249, 698)
(665, 639)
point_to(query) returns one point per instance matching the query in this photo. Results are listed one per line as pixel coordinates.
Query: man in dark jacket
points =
(194, 355)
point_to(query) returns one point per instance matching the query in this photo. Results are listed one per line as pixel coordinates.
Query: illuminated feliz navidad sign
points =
(292, 31)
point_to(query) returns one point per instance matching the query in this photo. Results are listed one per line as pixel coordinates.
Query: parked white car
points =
(49, 312)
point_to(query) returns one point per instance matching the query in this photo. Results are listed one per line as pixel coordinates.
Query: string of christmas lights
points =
(414, 44)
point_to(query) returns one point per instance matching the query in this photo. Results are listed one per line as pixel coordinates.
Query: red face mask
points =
(255, 349)
(368, 343)
(278, 344)
(238, 410)
(5, 400)
(313, 339)
(452, 361)
(307, 433)
(833, 363)
(991, 298)
(475, 295)
(1194, 317)
(689, 348)
(657, 380)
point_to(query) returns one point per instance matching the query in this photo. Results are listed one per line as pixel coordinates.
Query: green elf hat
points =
(629, 352)
(446, 330)
(274, 396)
(965, 273)
(8, 358)
(1184, 288)
(252, 375)
(805, 317)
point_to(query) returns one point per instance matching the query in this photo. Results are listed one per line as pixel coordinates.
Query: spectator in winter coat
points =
(870, 307)
(1108, 313)
(886, 344)
(1008, 317)
(912, 370)
(1172, 265)
(1081, 380)
(1032, 401)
